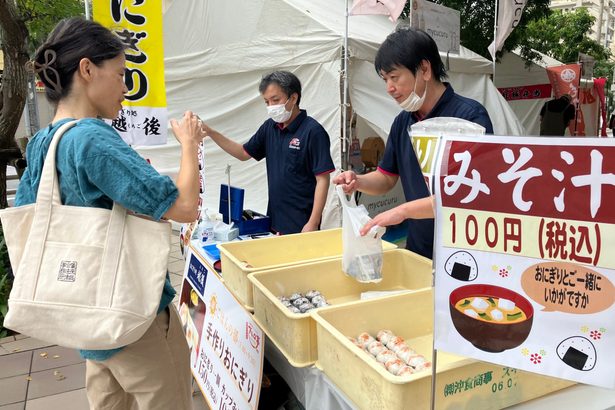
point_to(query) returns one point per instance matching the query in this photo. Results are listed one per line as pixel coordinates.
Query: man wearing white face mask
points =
(298, 155)
(409, 63)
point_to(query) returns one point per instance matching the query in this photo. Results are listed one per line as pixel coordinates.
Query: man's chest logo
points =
(295, 144)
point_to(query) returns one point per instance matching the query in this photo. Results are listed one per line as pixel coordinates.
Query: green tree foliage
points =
(477, 21)
(41, 16)
(562, 35)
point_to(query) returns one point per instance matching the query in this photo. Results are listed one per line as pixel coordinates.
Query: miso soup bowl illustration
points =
(490, 317)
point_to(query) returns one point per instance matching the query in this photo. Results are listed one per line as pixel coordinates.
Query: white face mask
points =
(278, 112)
(413, 103)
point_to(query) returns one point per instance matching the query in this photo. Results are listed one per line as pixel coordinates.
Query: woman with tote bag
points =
(82, 65)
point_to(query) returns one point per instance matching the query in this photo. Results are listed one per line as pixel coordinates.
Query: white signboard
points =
(440, 22)
(226, 345)
(523, 258)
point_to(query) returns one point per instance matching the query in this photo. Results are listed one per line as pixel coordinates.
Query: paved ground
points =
(35, 375)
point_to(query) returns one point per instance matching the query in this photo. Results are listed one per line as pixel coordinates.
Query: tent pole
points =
(345, 97)
(88, 13)
(495, 34)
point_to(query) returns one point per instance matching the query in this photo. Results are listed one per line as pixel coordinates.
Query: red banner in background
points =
(599, 84)
(566, 79)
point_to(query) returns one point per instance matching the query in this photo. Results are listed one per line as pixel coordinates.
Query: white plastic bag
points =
(362, 255)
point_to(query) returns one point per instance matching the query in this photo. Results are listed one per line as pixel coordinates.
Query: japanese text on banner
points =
(138, 24)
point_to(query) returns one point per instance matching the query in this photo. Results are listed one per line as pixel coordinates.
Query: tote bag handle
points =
(48, 197)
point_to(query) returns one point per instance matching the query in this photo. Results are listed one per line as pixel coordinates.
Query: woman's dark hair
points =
(407, 47)
(288, 82)
(70, 41)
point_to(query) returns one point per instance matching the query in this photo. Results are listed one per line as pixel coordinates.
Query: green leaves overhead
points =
(41, 16)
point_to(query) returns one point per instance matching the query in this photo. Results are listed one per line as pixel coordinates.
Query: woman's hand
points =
(189, 131)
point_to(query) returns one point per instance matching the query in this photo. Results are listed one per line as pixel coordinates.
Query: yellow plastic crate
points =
(294, 334)
(461, 383)
(240, 258)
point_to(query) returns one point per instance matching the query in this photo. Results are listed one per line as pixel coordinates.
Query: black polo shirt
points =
(295, 155)
(399, 159)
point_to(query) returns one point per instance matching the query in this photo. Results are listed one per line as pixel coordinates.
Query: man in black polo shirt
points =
(409, 63)
(298, 155)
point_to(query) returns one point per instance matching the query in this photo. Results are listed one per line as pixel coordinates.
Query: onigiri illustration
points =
(578, 353)
(462, 266)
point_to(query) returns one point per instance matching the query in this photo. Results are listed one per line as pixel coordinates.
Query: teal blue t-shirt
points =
(95, 168)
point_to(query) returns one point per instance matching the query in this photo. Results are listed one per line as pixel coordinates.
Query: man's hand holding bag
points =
(362, 255)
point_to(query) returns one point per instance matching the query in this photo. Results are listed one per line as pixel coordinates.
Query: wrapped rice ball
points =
(294, 309)
(295, 296)
(317, 299)
(398, 347)
(394, 365)
(386, 355)
(375, 347)
(355, 342)
(282, 298)
(384, 336)
(365, 339)
(394, 341)
(300, 301)
(421, 367)
(310, 294)
(405, 371)
(286, 302)
(416, 360)
(405, 353)
(305, 307)
(321, 303)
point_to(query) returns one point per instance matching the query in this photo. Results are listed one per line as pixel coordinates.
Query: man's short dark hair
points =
(408, 47)
(288, 82)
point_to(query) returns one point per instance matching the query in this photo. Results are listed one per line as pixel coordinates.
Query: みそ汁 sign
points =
(524, 277)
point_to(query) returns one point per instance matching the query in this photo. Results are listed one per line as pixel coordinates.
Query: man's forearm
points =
(229, 146)
(320, 197)
(375, 183)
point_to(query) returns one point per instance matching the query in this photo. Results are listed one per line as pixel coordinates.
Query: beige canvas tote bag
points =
(86, 278)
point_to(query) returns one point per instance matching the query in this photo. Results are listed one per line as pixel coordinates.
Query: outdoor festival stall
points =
(522, 300)
(217, 51)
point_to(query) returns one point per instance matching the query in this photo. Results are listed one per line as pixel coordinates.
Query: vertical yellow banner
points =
(138, 23)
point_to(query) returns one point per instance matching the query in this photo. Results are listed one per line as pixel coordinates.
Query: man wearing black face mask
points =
(298, 155)
(409, 63)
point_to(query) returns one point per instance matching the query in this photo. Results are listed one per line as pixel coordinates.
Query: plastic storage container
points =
(294, 334)
(240, 258)
(461, 383)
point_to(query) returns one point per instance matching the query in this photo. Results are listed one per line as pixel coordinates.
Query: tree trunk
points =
(13, 90)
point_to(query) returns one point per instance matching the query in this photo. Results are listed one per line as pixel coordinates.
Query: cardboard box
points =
(372, 151)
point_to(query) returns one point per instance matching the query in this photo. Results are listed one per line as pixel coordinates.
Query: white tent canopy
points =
(216, 53)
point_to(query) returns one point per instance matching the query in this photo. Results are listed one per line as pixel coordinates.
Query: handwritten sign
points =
(226, 344)
(523, 274)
